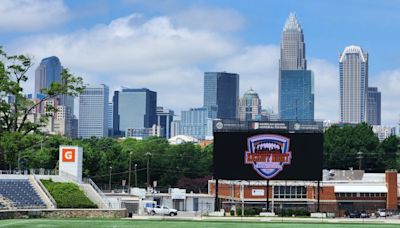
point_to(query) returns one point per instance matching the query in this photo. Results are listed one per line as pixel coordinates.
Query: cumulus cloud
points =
(326, 81)
(31, 15)
(388, 83)
(137, 52)
(214, 19)
(258, 69)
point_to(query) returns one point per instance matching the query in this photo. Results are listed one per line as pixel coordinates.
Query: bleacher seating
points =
(21, 193)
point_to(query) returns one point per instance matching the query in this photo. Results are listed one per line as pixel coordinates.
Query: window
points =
(290, 192)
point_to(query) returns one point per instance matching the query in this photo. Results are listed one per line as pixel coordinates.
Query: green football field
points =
(99, 223)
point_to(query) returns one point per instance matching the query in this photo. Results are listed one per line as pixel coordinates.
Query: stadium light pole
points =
(148, 154)
(129, 172)
(109, 181)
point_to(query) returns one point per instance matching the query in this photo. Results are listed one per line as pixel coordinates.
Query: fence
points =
(30, 172)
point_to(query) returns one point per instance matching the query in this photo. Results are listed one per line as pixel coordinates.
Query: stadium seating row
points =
(20, 193)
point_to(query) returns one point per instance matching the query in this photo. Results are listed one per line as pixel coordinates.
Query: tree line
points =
(348, 146)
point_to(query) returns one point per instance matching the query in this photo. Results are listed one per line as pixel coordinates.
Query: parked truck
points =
(161, 210)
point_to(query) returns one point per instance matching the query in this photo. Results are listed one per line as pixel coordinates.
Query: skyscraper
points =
(93, 109)
(249, 106)
(221, 92)
(49, 71)
(164, 120)
(353, 68)
(293, 53)
(296, 83)
(134, 108)
(374, 106)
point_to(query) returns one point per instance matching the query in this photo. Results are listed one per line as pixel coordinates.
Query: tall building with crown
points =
(353, 70)
(249, 106)
(296, 83)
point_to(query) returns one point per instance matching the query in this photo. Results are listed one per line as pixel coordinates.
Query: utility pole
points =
(135, 175)
(129, 172)
(360, 157)
(148, 154)
(109, 181)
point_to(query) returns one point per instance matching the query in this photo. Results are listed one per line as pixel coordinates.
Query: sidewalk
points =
(188, 217)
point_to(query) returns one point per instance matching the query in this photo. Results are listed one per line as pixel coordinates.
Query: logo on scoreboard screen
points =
(268, 154)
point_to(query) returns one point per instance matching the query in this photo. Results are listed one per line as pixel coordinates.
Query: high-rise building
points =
(353, 68)
(249, 106)
(374, 106)
(296, 83)
(93, 109)
(221, 91)
(196, 122)
(134, 109)
(110, 119)
(164, 120)
(175, 128)
(49, 71)
(293, 48)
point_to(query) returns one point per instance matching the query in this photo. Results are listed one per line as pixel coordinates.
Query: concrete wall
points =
(63, 213)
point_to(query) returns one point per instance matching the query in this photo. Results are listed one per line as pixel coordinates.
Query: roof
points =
(352, 49)
(360, 188)
(292, 23)
(179, 139)
(250, 94)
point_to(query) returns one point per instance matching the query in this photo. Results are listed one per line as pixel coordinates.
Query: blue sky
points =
(167, 45)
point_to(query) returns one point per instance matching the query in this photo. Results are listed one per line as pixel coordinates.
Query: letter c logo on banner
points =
(68, 155)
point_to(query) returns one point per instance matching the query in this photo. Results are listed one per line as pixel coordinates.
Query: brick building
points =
(340, 191)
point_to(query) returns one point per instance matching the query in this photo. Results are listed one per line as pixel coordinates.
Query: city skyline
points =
(241, 45)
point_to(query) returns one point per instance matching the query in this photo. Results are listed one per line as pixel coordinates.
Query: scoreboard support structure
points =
(267, 194)
(216, 204)
(318, 199)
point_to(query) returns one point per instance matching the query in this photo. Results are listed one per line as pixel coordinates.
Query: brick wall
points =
(391, 184)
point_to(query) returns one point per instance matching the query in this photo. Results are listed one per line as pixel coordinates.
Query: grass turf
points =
(100, 223)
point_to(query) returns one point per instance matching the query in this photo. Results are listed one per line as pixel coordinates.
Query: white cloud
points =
(326, 81)
(211, 19)
(31, 15)
(388, 83)
(136, 52)
(258, 69)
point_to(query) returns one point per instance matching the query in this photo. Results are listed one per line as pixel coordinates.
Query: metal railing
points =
(103, 197)
(40, 171)
(49, 196)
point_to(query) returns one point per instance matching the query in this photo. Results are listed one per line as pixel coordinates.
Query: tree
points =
(389, 149)
(342, 144)
(15, 107)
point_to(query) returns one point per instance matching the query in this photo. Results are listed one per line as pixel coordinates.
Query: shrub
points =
(248, 211)
(295, 212)
(68, 195)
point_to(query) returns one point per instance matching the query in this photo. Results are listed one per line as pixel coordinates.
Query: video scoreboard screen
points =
(268, 155)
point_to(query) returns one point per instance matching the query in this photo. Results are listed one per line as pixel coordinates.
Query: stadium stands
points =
(20, 193)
